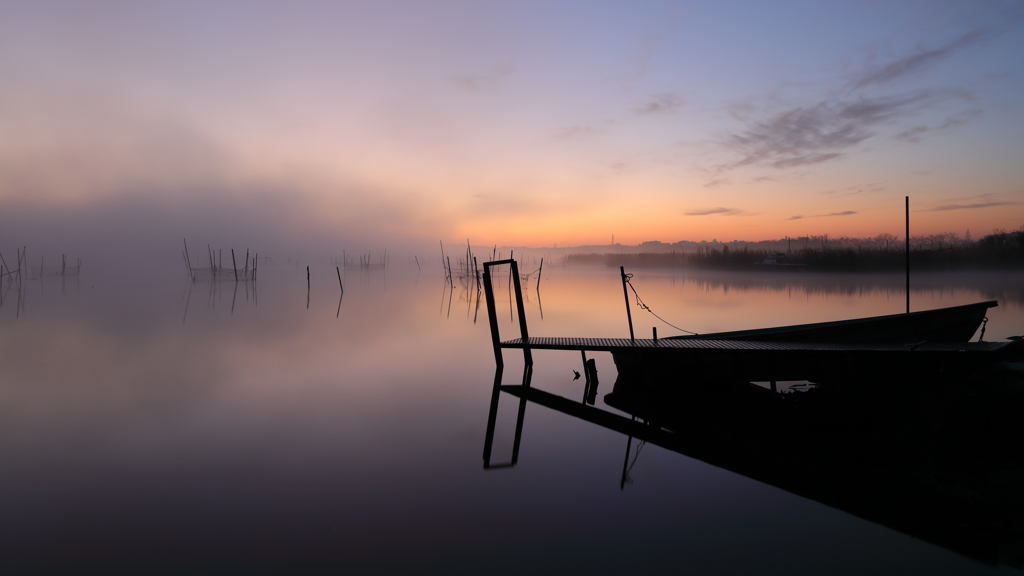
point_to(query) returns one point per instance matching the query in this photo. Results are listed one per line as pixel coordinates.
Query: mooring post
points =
(234, 265)
(625, 294)
(907, 200)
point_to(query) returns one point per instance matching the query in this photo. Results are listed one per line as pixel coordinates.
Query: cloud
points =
(946, 207)
(843, 213)
(815, 133)
(659, 104)
(710, 211)
(716, 183)
(819, 133)
(921, 59)
(575, 132)
(859, 189)
(479, 82)
(912, 134)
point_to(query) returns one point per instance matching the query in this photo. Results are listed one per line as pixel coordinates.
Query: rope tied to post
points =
(644, 306)
(984, 323)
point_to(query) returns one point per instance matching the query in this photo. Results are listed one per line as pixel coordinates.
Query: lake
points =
(156, 425)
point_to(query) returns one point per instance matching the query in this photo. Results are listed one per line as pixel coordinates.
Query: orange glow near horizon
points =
(512, 142)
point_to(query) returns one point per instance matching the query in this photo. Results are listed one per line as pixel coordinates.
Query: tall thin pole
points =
(625, 294)
(907, 207)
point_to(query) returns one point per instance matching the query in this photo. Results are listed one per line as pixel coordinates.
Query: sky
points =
(509, 123)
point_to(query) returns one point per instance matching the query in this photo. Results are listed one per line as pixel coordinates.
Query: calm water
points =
(151, 424)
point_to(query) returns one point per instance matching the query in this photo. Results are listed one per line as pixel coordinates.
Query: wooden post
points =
(625, 294)
(492, 315)
(234, 265)
(540, 271)
(907, 200)
(524, 333)
(338, 270)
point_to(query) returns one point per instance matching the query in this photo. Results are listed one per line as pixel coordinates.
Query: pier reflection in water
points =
(941, 465)
(279, 438)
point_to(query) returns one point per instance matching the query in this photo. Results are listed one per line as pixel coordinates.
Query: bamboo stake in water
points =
(443, 256)
(340, 285)
(539, 272)
(188, 261)
(233, 264)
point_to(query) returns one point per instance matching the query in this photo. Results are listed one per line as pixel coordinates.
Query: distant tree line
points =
(947, 251)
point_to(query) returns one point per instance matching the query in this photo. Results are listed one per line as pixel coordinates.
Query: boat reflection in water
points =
(933, 453)
(942, 465)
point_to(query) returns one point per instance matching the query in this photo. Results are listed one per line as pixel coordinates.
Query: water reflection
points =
(940, 465)
(276, 436)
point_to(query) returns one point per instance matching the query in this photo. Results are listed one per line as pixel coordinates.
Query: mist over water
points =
(148, 422)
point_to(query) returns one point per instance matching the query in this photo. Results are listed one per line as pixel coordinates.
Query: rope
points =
(984, 323)
(641, 304)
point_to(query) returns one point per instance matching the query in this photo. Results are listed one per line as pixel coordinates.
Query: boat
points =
(952, 324)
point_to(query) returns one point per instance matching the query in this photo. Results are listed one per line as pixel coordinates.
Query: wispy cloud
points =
(818, 133)
(659, 104)
(854, 112)
(859, 189)
(912, 134)
(946, 207)
(844, 213)
(573, 132)
(485, 81)
(711, 211)
(921, 58)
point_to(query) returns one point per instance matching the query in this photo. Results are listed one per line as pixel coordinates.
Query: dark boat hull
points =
(953, 324)
(696, 371)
